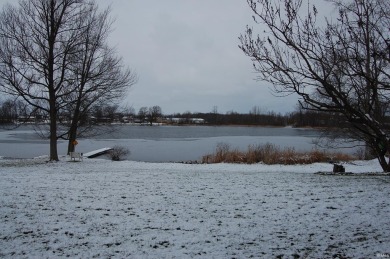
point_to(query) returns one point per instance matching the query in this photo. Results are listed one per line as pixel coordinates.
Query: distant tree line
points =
(16, 112)
(148, 115)
(12, 112)
(256, 117)
(235, 118)
(9, 112)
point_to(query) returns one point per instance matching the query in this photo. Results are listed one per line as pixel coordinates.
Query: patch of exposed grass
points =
(271, 154)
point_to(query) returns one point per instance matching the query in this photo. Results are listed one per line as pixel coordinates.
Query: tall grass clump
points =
(271, 154)
(223, 154)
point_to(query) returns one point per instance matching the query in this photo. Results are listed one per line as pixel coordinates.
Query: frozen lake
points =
(160, 143)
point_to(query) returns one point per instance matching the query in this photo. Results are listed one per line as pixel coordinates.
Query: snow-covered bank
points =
(151, 210)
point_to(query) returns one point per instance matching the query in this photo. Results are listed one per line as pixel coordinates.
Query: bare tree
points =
(100, 76)
(142, 114)
(36, 41)
(128, 114)
(341, 67)
(53, 54)
(215, 114)
(10, 110)
(154, 113)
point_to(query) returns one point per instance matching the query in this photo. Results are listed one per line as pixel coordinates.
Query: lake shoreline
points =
(161, 143)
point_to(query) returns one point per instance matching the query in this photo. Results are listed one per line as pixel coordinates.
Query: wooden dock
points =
(97, 152)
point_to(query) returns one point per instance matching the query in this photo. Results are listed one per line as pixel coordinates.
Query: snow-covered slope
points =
(99, 208)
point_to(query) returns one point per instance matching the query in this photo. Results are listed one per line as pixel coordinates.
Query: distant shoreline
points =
(16, 126)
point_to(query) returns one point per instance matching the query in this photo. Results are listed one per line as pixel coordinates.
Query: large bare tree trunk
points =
(53, 141)
(72, 138)
(53, 136)
(73, 128)
(384, 164)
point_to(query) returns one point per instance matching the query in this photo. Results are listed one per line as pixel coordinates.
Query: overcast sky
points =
(186, 55)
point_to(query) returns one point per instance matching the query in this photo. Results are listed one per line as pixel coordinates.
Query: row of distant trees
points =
(299, 118)
(15, 112)
(11, 112)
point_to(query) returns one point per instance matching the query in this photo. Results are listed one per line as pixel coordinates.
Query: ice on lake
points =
(161, 143)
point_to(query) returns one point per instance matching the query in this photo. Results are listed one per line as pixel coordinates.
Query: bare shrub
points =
(118, 152)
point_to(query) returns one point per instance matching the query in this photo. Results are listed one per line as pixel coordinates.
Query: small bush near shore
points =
(117, 153)
(271, 154)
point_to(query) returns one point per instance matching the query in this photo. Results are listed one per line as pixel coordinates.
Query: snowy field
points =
(98, 208)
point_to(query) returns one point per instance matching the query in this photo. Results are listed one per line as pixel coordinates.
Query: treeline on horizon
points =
(303, 118)
(10, 113)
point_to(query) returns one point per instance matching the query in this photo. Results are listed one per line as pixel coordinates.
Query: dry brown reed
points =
(271, 154)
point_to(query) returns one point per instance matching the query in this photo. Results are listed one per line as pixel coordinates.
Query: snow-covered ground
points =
(99, 208)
